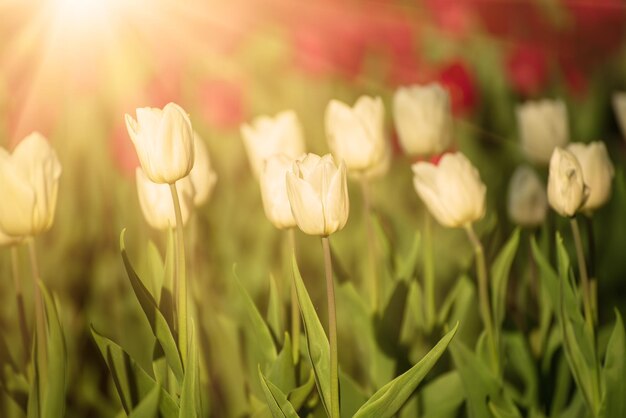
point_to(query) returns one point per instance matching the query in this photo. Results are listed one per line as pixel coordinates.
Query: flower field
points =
(322, 209)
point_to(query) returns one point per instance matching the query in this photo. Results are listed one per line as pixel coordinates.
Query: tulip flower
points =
(452, 191)
(29, 180)
(156, 201)
(7, 240)
(202, 176)
(267, 136)
(274, 191)
(543, 127)
(423, 119)
(567, 191)
(318, 194)
(598, 172)
(356, 134)
(619, 104)
(527, 201)
(163, 140)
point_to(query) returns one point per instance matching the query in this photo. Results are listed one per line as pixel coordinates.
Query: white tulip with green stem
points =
(318, 194)
(356, 137)
(164, 141)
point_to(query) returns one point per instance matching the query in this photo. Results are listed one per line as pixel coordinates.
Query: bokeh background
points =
(71, 69)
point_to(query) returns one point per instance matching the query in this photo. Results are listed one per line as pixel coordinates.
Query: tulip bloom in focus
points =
(598, 172)
(452, 190)
(567, 191)
(163, 140)
(318, 194)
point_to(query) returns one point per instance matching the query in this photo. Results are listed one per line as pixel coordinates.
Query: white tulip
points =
(619, 104)
(274, 191)
(156, 202)
(567, 191)
(598, 172)
(267, 136)
(527, 201)
(318, 194)
(29, 180)
(356, 134)
(163, 140)
(543, 127)
(423, 119)
(202, 175)
(7, 240)
(452, 190)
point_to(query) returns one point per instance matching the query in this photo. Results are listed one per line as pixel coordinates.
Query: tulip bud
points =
(452, 191)
(156, 202)
(543, 127)
(619, 104)
(267, 136)
(598, 172)
(274, 191)
(318, 194)
(29, 180)
(566, 189)
(163, 140)
(202, 175)
(423, 119)
(527, 202)
(356, 134)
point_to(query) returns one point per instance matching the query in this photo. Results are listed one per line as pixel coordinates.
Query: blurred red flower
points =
(527, 69)
(460, 82)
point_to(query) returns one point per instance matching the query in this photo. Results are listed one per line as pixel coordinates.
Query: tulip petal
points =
(337, 201)
(306, 206)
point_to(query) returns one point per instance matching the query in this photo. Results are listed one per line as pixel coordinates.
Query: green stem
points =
(373, 279)
(19, 297)
(332, 331)
(592, 266)
(429, 273)
(483, 294)
(582, 267)
(295, 312)
(39, 312)
(180, 278)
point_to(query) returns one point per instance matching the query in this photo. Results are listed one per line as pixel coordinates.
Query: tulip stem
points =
(369, 227)
(582, 267)
(592, 267)
(295, 311)
(21, 310)
(332, 331)
(39, 312)
(429, 273)
(180, 278)
(483, 293)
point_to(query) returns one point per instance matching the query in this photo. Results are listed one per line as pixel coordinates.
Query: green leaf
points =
(149, 406)
(352, 396)
(521, 365)
(614, 373)
(443, 396)
(299, 395)
(406, 265)
(260, 334)
(458, 302)
(389, 399)
(275, 310)
(279, 405)
(317, 342)
(160, 327)
(282, 372)
(131, 381)
(53, 405)
(188, 396)
(34, 403)
(500, 277)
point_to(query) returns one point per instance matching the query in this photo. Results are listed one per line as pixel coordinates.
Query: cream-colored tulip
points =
(356, 134)
(318, 194)
(7, 240)
(567, 191)
(527, 202)
(267, 136)
(598, 172)
(156, 202)
(274, 191)
(29, 181)
(542, 126)
(452, 190)
(202, 175)
(619, 104)
(163, 139)
(423, 119)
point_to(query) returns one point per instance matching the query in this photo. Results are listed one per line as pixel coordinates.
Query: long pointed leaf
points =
(277, 401)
